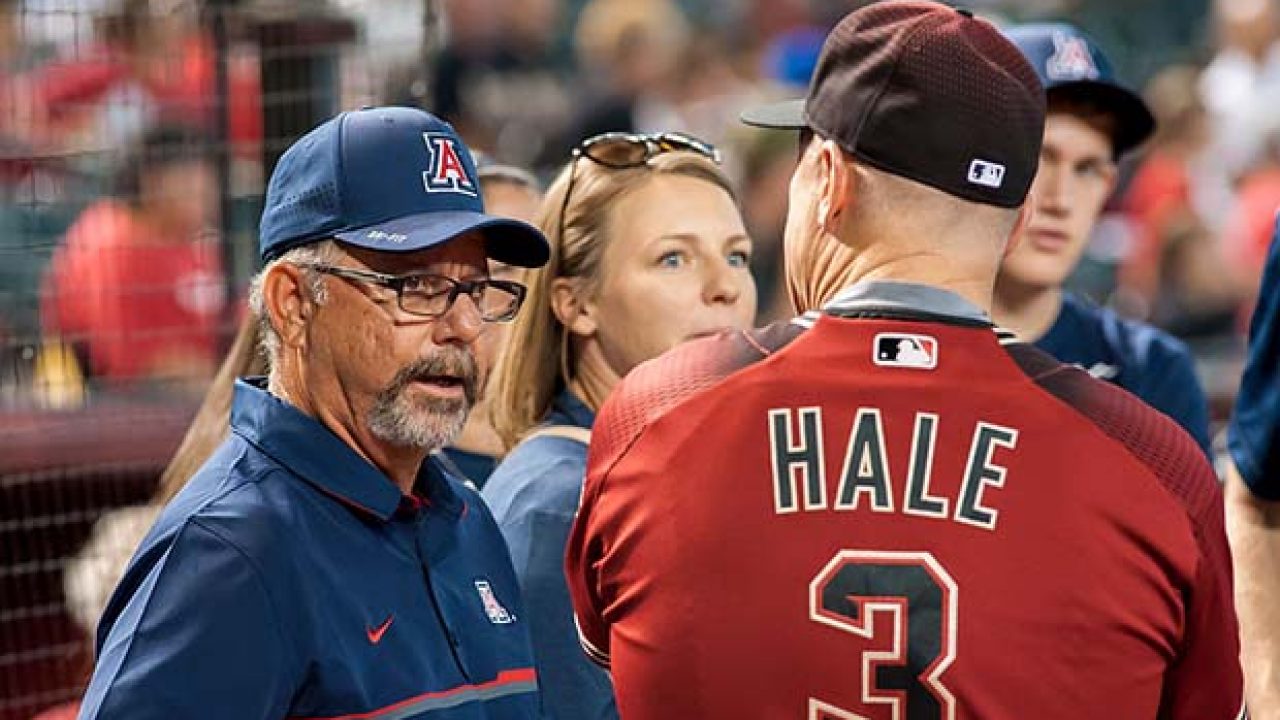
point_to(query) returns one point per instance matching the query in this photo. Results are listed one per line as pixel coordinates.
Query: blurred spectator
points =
(15, 53)
(151, 61)
(790, 57)
(110, 92)
(137, 287)
(629, 52)
(1248, 230)
(498, 80)
(709, 93)
(1173, 273)
(763, 20)
(17, 56)
(768, 159)
(1241, 86)
(395, 34)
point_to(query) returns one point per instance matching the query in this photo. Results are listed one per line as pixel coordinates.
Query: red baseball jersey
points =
(892, 515)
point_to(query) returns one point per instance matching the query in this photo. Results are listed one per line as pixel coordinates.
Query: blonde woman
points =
(648, 249)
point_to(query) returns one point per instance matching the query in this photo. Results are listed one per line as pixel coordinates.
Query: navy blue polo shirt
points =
(1253, 437)
(1142, 359)
(291, 578)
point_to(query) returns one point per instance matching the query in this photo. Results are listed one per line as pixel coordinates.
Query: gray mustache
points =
(452, 362)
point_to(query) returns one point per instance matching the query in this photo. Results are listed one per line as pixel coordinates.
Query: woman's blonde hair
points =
(210, 426)
(536, 361)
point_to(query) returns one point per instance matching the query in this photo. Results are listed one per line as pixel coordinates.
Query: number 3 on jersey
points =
(919, 597)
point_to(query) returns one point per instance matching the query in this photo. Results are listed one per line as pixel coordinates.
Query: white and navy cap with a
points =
(1070, 64)
(392, 179)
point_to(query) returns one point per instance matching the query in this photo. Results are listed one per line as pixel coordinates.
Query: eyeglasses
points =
(431, 296)
(627, 150)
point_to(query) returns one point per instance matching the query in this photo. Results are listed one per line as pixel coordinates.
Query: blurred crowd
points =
(136, 136)
(118, 154)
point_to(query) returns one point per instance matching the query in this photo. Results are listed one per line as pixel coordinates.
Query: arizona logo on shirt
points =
(447, 172)
(1071, 59)
(498, 615)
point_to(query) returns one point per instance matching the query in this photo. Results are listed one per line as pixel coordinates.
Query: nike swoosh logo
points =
(375, 634)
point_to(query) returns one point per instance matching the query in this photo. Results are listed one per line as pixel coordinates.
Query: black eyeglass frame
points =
(653, 144)
(473, 289)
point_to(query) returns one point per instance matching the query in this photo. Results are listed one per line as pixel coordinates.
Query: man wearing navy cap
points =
(320, 564)
(1092, 121)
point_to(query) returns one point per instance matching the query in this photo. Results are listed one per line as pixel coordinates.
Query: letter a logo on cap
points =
(447, 172)
(1071, 60)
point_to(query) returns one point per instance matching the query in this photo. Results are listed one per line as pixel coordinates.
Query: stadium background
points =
(82, 81)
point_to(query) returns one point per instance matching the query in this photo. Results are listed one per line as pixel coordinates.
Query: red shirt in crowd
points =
(138, 303)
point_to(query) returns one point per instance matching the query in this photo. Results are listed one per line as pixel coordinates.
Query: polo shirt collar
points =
(311, 451)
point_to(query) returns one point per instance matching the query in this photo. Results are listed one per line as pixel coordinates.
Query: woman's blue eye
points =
(739, 258)
(671, 259)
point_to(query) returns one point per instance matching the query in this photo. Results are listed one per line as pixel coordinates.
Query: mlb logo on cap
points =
(985, 172)
(905, 350)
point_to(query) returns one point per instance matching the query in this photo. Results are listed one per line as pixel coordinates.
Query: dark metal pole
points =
(216, 17)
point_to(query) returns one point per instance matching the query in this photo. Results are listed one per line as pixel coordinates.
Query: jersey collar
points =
(311, 451)
(902, 300)
(881, 295)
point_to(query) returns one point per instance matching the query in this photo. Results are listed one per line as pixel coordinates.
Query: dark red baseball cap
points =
(929, 93)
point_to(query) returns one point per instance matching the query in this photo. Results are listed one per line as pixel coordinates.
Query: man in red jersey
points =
(887, 508)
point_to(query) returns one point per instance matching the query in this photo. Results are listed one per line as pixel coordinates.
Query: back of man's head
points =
(941, 115)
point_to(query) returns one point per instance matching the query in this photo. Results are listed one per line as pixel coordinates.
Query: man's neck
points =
(922, 269)
(1027, 311)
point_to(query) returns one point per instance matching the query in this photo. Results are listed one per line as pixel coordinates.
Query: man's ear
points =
(288, 303)
(1020, 224)
(573, 311)
(836, 178)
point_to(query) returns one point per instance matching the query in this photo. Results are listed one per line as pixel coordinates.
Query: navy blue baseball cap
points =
(1068, 62)
(392, 179)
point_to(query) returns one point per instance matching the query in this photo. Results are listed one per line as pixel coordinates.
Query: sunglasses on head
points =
(618, 150)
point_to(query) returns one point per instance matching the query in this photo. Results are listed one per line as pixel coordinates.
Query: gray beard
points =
(400, 420)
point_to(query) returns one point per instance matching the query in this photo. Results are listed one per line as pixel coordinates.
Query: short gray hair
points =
(322, 252)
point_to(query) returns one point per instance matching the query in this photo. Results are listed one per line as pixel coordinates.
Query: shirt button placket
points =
(440, 608)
